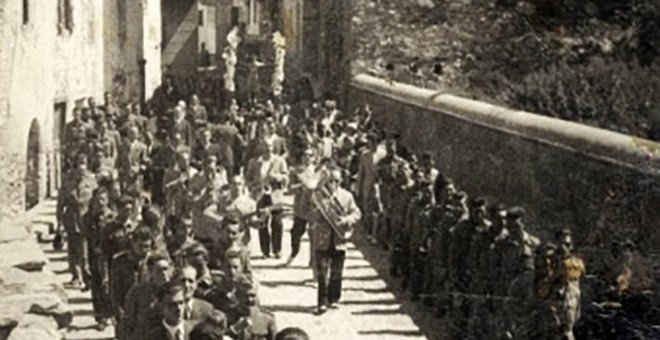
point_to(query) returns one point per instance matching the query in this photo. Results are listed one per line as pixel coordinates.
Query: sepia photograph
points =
(329, 169)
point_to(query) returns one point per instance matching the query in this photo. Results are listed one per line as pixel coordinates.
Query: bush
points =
(611, 94)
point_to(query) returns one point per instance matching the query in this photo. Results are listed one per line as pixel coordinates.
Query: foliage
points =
(607, 93)
(592, 61)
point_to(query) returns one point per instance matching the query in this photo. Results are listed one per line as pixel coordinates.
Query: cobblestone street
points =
(369, 309)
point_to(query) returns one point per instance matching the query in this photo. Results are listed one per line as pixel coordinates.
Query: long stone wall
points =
(603, 185)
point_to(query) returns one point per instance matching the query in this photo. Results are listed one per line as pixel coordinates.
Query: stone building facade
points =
(54, 54)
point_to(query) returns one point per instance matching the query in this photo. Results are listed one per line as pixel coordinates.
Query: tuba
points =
(329, 208)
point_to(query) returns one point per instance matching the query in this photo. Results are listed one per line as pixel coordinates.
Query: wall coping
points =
(613, 147)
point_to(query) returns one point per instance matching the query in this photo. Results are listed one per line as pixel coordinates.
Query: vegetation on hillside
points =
(596, 62)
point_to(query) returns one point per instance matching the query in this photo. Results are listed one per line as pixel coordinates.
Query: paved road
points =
(368, 310)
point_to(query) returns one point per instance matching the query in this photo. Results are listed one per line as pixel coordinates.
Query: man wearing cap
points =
(518, 243)
(304, 175)
(330, 237)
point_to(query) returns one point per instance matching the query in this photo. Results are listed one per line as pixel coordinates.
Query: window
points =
(201, 18)
(26, 11)
(64, 16)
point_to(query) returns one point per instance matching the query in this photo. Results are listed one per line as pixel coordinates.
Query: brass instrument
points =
(329, 208)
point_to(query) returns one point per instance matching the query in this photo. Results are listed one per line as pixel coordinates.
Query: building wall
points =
(39, 68)
(180, 40)
(152, 49)
(601, 184)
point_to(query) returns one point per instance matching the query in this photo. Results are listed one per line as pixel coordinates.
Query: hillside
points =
(592, 62)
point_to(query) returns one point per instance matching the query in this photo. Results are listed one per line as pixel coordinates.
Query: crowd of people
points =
(159, 210)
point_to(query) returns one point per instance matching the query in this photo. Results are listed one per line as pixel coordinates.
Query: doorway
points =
(32, 172)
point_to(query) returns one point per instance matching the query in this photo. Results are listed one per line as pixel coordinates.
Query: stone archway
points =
(32, 171)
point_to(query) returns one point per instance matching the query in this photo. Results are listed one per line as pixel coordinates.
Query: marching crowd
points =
(159, 209)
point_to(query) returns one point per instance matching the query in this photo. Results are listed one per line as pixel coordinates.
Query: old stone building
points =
(54, 54)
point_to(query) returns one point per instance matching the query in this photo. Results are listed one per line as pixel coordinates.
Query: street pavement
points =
(369, 309)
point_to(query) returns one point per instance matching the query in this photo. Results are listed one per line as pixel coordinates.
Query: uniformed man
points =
(206, 147)
(258, 323)
(495, 275)
(520, 242)
(77, 191)
(141, 300)
(98, 218)
(197, 114)
(116, 237)
(181, 126)
(131, 163)
(330, 238)
(419, 232)
(103, 152)
(182, 240)
(73, 139)
(235, 203)
(392, 180)
(126, 267)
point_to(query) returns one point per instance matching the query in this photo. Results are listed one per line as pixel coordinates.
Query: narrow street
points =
(368, 310)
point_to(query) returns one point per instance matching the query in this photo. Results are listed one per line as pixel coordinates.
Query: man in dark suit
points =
(194, 309)
(173, 325)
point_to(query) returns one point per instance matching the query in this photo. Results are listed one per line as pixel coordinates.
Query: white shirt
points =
(265, 167)
(173, 330)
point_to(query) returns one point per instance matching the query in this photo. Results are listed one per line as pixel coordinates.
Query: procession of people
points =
(161, 200)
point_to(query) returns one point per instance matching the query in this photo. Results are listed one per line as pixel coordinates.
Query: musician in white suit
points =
(264, 175)
(334, 215)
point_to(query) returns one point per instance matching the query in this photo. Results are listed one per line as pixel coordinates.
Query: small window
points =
(26, 11)
(64, 16)
(201, 17)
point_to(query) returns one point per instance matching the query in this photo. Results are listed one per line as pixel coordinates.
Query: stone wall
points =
(601, 184)
(39, 68)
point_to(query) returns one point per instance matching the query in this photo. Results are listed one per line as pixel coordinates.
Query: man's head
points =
(564, 240)
(133, 133)
(173, 303)
(183, 229)
(142, 242)
(198, 256)
(101, 127)
(160, 268)
(183, 159)
(390, 147)
(334, 177)
(292, 333)
(233, 264)
(85, 114)
(81, 163)
(77, 113)
(233, 229)
(187, 277)
(91, 102)
(206, 136)
(107, 97)
(308, 156)
(125, 207)
(515, 219)
(213, 327)
(236, 184)
(478, 210)
(266, 148)
(497, 216)
(210, 164)
(194, 99)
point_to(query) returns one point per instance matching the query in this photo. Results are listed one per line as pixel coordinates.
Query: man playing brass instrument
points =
(332, 220)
